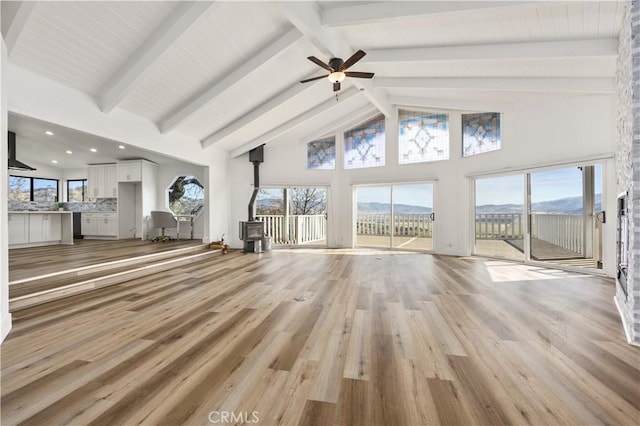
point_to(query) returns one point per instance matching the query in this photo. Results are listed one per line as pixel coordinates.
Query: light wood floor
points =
(36, 261)
(382, 338)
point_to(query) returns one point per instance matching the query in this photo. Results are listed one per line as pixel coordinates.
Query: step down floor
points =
(28, 292)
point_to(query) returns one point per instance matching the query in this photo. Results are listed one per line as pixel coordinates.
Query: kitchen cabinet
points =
(38, 228)
(18, 228)
(44, 227)
(130, 171)
(99, 225)
(102, 181)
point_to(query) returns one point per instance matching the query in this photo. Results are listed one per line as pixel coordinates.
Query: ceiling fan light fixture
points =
(336, 77)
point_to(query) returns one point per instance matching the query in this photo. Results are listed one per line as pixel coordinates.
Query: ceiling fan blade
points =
(352, 60)
(314, 78)
(320, 63)
(359, 74)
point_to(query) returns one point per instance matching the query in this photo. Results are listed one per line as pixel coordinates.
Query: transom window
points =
(321, 154)
(364, 145)
(422, 137)
(480, 133)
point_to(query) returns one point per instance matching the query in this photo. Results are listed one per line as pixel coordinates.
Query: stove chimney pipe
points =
(256, 156)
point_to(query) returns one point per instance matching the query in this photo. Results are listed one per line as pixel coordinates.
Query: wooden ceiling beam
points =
(537, 50)
(256, 60)
(306, 17)
(306, 116)
(528, 84)
(185, 16)
(256, 113)
(17, 14)
(392, 11)
(344, 123)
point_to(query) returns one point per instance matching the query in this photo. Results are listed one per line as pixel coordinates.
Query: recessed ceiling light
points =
(54, 161)
(93, 150)
(121, 146)
(69, 152)
(48, 132)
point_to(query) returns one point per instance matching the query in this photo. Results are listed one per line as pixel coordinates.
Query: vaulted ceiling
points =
(227, 73)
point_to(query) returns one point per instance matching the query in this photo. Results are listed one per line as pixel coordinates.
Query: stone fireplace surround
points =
(628, 163)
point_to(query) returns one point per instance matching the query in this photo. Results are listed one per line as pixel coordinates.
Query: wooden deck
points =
(542, 251)
(377, 338)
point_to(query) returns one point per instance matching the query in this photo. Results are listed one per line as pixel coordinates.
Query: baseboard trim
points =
(627, 332)
(6, 326)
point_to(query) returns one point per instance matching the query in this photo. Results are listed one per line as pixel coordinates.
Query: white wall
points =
(218, 198)
(534, 134)
(5, 316)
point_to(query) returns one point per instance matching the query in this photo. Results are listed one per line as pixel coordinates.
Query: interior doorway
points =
(396, 216)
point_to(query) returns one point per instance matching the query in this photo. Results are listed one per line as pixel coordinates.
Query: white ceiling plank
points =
(541, 84)
(255, 113)
(296, 121)
(261, 56)
(168, 33)
(541, 50)
(387, 11)
(346, 122)
(449, 104)
(306, 17)
(21, 12)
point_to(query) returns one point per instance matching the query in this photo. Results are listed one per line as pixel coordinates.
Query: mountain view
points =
(570, 205)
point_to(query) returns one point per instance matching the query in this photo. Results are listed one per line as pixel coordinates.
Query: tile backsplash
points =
(101, 205)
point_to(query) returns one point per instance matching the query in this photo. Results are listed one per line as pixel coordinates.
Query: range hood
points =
(14, 164)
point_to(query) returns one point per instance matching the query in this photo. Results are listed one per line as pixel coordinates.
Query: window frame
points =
(31, 187)
(85, 189)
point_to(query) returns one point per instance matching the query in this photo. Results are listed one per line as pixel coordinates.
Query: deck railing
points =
(414, 225)
(294, 229)
(499, 226)
(562, 230)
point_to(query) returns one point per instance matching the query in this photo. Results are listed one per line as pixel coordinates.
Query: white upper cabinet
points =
(130, 171)
(103, 181)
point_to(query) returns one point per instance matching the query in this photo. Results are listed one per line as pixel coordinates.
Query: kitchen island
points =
(39, 228)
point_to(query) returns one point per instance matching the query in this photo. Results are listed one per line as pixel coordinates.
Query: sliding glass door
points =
(499, 217)
(373, 216)
(553, 216)
(565, 206)
(395, 216)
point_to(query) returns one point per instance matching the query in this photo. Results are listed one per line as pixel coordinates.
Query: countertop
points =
(39, 211)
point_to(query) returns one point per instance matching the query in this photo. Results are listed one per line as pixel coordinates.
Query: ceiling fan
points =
(338, 69)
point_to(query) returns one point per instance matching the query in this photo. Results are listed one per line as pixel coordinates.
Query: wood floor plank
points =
(378, 338)
(450, 408)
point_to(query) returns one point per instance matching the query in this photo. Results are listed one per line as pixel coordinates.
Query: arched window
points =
(186, 196)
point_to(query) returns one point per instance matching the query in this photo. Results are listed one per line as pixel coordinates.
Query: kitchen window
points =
(77, 190)
(23, 188)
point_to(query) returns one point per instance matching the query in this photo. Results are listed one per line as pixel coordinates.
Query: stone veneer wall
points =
(628, 160)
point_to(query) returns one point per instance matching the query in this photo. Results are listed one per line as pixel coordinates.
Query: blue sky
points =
(420, 194)
(545, 186)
